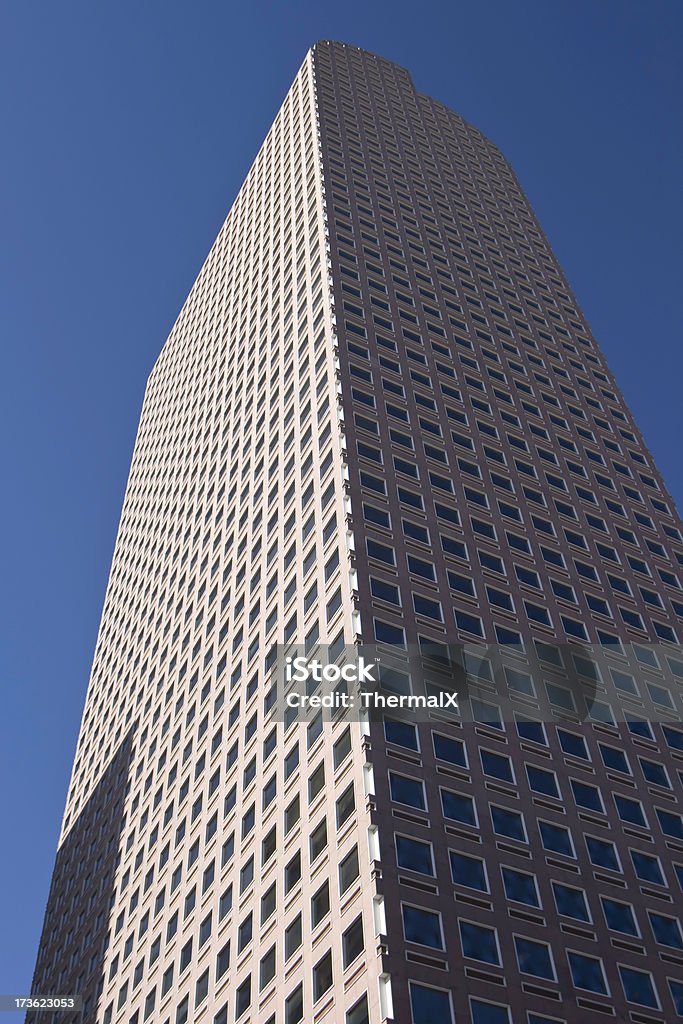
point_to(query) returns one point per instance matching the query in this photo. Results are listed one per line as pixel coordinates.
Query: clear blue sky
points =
(126, 131)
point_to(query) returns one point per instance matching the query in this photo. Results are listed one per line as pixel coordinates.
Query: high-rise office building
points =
(380, 418)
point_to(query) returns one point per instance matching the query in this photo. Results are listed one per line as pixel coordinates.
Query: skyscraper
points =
(380, 418)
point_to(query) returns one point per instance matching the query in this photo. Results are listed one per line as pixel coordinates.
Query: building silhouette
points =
(380, 419)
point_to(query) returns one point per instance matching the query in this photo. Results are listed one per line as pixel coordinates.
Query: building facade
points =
(380, 419)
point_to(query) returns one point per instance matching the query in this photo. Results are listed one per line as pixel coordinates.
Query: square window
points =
(294, 1006)
(619, 916)
(587, 796)
(630, 811)
(293, 937)
(468, 871)
(322, 976)
(534, 958)
(556, 838)
(520, 887)
(508, 823)
(414, 855)
(603, 853)
(666, 930)
(243, 998)
(488, 1013)
(448, 749)
(358, 1014)
(352, 942)
(320, 904)
(587, 973)
(647, 867)
(405, 790)
(479, 943)
(498, 766)
(422, 926)
(571, 902)
(348, 870)
(318, 840)
(542, 781)
(458, 807)
(403, 734)
(293, 872)
(638, 987)
(430, 1004)
(267, 968)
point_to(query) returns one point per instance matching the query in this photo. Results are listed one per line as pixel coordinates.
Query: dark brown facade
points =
(502, 494)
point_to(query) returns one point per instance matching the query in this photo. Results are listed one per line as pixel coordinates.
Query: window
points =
(322, 976)
(602, 853)
(291, 761)
(245, 932)
(352, 942)
(268, 902)
(468, 871)
(670, 824)
(676, 989)
(358, 1014)
(430, 1004)
(422, 926)
(614, 759)
(498, 766)
(320, 904)
(488, 1013)
(587, 972)
(348, 870)
(294, 1007)
(520, 887)
(556, 838)
(448, 749)
(630, 811)
(318, 840)
(407, 791)
(414, 855)
(531, 731)
(182, 1013)
(570, 902)
(185, 955)
(508, 823)
(292, 814)
(479, 943)
(167, 980)
(458, 807)
(542, 781)
(587, 796)
(293, 937)
(573, 745)
(293, 872)
(341, 748)
(202, 988)
(243, 997)
(247, 874)
(619, 916)
(223, 961)
(638, 987)
(205, 930)
(647, 867)
(267, 968)
(403, 734)
(534, 958)
(654, 773)
(666, 930)
(345, 806)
